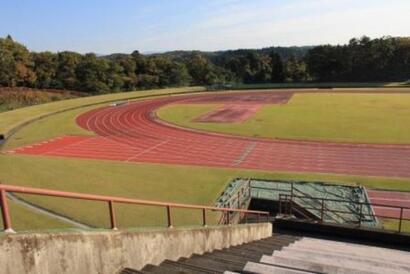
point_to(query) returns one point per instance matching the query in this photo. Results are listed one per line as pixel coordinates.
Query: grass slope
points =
(368, 118)
(13, 98)
(24, 219)
(44, 129)
(186, 184)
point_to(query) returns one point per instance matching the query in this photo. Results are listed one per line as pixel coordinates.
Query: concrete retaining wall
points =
(109, 252)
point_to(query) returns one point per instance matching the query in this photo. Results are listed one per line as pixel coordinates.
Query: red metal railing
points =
(111, 200)
(287, 205)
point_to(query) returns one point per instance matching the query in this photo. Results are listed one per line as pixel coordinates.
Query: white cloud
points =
(243, 24)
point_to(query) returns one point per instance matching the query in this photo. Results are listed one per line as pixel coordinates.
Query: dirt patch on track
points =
(238, 108)
(258, 98)
(229, 114)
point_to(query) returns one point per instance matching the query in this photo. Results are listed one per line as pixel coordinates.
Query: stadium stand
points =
(332, 203)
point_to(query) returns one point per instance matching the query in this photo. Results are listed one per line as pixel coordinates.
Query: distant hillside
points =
(284, 52)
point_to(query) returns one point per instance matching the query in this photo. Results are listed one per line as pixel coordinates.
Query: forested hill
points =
(284, 52)
(360, 60)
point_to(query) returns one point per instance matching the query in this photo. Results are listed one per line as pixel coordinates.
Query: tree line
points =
(361, 60)
(364, 59)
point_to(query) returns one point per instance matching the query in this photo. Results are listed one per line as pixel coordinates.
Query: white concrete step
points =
(346, 250)
(353, 245)
(268, 269)
(357, 249)
(377, 266)
(310, 266)
(353, 257)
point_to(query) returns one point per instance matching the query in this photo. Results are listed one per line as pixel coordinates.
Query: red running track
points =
(133, 133)
(390, 198)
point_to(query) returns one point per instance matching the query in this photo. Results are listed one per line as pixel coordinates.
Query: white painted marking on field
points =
(245, 153)
(390, 199)
(146, 150)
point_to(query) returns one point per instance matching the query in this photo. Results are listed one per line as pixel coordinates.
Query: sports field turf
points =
(394, 225)
(366, 118)
(196, 185)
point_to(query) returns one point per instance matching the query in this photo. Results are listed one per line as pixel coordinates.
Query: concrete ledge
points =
(110, 251)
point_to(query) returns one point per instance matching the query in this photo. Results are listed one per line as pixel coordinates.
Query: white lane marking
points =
(146, 150)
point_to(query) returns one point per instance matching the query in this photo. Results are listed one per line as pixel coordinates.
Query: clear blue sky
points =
(107, 26)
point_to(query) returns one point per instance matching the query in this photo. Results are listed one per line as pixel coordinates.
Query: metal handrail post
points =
(204, 217)
(360, 215)
(5, 212)
(401, 219)
(169, 218)
(112, 215)
(322, 210)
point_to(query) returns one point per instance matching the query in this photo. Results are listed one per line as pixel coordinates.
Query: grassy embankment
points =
(13, 98)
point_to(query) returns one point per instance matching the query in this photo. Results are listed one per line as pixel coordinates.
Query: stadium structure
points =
(256, 225)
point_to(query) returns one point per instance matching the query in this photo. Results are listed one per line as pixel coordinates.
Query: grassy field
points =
(393, 225)
(196, 185)
(186, 184)
(368, 118)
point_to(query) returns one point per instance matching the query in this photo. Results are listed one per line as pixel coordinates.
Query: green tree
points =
(295, 70)
(278, 72)
(66, 77)
(92, 74)
(16, 65)
(45, 67)
(201, 70)
(178, 75)
(114, 77)
(327, 63)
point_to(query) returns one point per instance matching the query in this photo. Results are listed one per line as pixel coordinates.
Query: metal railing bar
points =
(348, 201)
(102, 198)
(320, 202)
(5, 213)
(286, 198)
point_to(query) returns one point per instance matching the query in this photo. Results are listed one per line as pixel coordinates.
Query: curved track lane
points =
(133, 133)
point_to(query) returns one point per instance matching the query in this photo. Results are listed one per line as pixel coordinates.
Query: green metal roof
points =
(345, 198)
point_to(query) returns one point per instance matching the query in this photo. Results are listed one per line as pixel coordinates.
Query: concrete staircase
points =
(323, 256)
(287, 254)
(231, 259)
